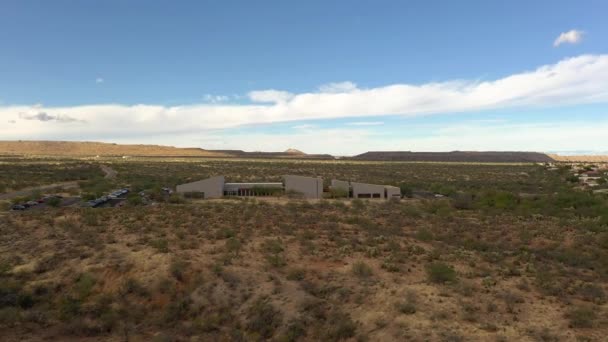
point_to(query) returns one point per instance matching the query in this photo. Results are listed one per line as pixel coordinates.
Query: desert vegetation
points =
(512, 252)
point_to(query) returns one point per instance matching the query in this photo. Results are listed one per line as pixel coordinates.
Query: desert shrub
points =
(296, 274)
(338, 193)
(84, 285)
(263, 318)
(132, 286)
(498, 200)
(592, 293)
(361, 269)
(177, 309)
(90, 217)
(424, 234)
(161, 245)
(177, 269)
(233, 246)
(408, 306)
(134, 199)
(69, 307)
(440, 273)
(273, 251)
(573, 179)
(9, 316)
(582, 317)
(296, 329)
(358, 204)
(53, 202)
(176, 199)
(340, 326)
(406, 190)
(462, 201)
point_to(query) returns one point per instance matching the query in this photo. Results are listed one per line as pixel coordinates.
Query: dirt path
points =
(28, 191)
(110, 172)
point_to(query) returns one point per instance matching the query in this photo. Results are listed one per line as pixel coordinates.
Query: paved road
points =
(42, 188)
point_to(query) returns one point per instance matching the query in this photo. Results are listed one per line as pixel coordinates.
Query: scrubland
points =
(510, 254)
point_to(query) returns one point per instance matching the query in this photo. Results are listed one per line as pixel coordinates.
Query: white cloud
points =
(304, 126)
(99, 80)
(365, 123)
(340, 87)
(464, 137)
(210, 98)
(570, 37)
(578, 80)
(271, 95)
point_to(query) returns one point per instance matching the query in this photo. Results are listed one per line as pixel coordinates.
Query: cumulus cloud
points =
(463, 136)
(577, 80)
(339, 87)
(570, 37)
(43, 116)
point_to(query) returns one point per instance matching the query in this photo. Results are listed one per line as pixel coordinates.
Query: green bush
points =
(440, 273)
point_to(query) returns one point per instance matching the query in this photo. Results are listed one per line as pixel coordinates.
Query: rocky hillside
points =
(80, 149)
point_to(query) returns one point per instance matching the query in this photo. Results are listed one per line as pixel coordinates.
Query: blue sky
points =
(341, 77)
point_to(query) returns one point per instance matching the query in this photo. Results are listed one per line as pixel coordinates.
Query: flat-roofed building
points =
(364, 190)
(207, 188)
(252, 189)
(309, 187)
(392, 192)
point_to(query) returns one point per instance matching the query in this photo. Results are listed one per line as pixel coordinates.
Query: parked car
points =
(31, 203)
(18, 207)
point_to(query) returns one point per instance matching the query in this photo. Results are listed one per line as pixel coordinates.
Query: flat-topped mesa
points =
(457, 156)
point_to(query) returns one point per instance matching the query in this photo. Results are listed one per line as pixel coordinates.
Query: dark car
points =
(18, 207)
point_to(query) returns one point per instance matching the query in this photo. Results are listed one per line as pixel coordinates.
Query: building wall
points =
(361, 190)
(212, 187)
(392, 192)
(310, 187)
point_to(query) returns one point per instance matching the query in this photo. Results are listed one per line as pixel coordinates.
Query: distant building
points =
(215, 187)
(365, 190)
(309, 187)
(207, 188)
(306, 187)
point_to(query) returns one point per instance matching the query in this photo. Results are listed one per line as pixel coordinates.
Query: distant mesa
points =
(456, 156)
(98, 149)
